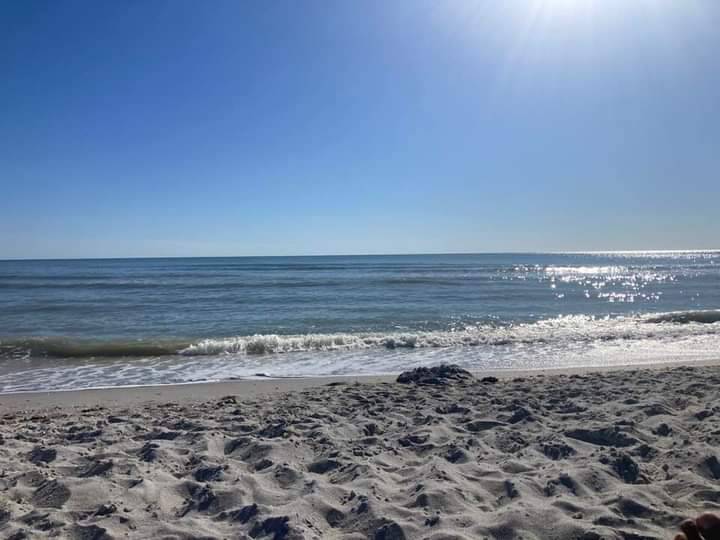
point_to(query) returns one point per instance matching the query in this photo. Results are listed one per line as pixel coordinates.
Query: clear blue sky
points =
(162, 128)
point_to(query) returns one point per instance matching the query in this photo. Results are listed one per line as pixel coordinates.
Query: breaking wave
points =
(685, 317)
(71, 348)
(564, 329)
(559, 331)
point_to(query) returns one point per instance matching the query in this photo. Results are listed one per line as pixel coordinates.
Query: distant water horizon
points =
(408, 254)
(81, 323)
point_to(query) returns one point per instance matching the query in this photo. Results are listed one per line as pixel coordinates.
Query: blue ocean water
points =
(83, 323)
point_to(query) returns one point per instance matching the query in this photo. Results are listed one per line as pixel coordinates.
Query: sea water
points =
(67, 324)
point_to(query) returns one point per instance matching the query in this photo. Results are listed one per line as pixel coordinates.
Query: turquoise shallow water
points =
(79, 323)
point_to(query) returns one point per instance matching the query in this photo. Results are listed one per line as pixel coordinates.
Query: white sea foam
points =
(571, 341)
(559, 330)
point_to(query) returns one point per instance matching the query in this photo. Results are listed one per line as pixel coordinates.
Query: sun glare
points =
(561, 4)
(568, 10)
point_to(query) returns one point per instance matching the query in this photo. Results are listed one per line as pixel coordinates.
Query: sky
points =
(185, 128)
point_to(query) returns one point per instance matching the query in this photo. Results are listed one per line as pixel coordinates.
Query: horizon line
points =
(519, 252)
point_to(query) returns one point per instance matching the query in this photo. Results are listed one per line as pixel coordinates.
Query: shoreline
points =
(253, 387)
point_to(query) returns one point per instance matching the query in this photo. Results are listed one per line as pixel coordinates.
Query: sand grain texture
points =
(625, 454)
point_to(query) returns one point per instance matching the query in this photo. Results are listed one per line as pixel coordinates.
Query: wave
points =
(708, 316)
(560, 331)
(73, 348)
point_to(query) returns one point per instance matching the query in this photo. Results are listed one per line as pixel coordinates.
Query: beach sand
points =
(615, 454)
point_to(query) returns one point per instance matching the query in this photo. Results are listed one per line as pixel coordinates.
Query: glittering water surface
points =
(85, 323)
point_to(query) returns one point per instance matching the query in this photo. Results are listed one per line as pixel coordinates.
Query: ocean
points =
(70, 324)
